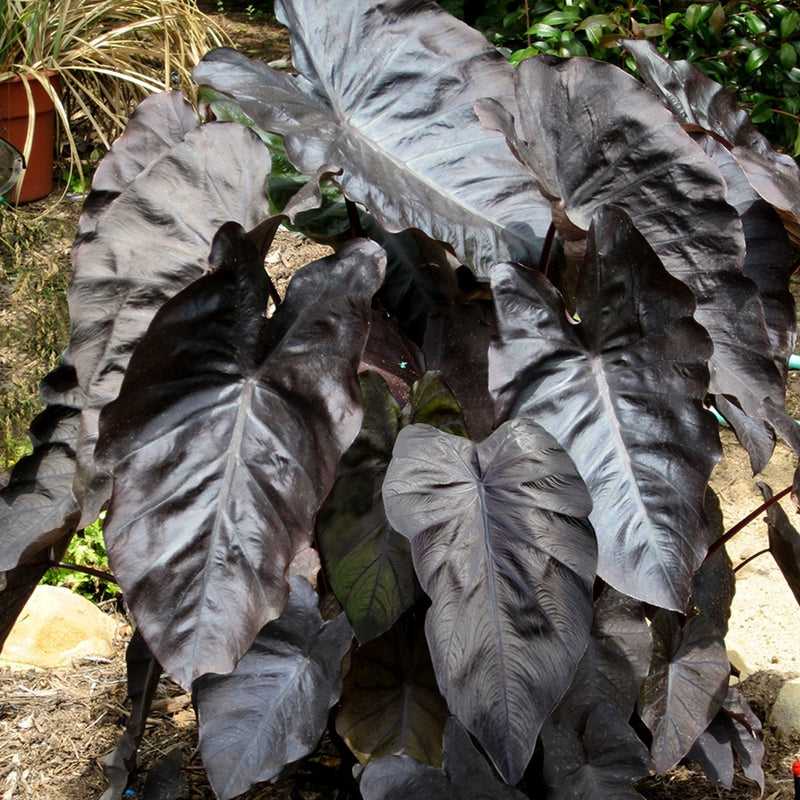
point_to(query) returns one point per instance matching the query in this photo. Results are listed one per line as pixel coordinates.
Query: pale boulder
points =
(785, 714)
(57, 628)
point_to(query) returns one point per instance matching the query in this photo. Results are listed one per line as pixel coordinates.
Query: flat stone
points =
(785, 715)
(56, 628)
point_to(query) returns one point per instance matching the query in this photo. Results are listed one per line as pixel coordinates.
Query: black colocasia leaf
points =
(502, 547)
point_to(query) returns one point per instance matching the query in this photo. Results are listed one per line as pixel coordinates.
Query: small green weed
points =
(86, 550)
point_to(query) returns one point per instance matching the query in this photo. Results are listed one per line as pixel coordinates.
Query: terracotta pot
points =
(37, 179)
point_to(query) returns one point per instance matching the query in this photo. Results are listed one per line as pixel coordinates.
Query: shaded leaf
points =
(390, 702)
(378, 83)
(152, 241)
(713, 587)
(687, 684)
(273, 708)
(144, 673)
(244, 420)
(165, 780)
(615, 664)
(734, 733)
(463, 774)
(638, 157)
(599, 761)
(501, 547)
(695, 98)
(367, 563)
(755, 435)
(622, 391)
(784, 542)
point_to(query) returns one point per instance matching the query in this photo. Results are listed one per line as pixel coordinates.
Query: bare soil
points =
(57, 726)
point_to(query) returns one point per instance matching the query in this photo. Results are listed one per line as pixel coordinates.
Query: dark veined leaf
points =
(501, 547)
(367, 562)
(687, 684)
(37, 505)
(755, 435)
(768, 261)
(457, 343)
(784, 542)
(600, 760)
(152, 241)
(158, 122)
(694, 98)
(390, 702)
(165, 780)
(734, 733)
(244, 420)
(464, 773)
(273, 708)
(615, 663)
(622, 392)
(636, 156)
(713, 587)
(379, 84)
(144, 673)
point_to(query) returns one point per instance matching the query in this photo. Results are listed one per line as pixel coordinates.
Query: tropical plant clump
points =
(447, 497)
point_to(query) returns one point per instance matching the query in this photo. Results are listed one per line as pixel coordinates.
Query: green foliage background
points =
(753, 49)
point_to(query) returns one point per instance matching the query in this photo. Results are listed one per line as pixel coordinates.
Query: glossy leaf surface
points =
(273, 708)
(245, 437)
(152, 241)
(636, 156)
(501, 547)
(686, 687)
(622, 391)
(378, 80)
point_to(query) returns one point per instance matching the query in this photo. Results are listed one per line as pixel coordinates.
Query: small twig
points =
(750, 558)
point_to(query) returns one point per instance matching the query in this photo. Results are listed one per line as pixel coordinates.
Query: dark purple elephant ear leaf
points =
(734, 735)
(784, 542)
(374, 80)
(464, 774)
(686, 687)
(694, 98)
(501, 546)
(150, 242)
(273, 708)
(242, 472)
(637, 156)
(600, 759)
(390, 702)
(614, 390)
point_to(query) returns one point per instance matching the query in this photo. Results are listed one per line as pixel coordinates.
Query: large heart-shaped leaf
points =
(273, 708)
(243, 420)
(501, 547)
(464, 774)
(390, 702)
(687, 684)
(614, 665)
(150, 242)
(588, 150)
(622, 391)
(379, 81)
(694, 98)
(600, 760)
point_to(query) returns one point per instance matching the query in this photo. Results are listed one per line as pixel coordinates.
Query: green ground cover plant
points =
(447, 497)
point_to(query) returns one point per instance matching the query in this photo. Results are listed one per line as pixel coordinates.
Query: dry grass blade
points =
(108, 55)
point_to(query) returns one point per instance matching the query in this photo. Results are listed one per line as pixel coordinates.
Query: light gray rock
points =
(785, 715)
